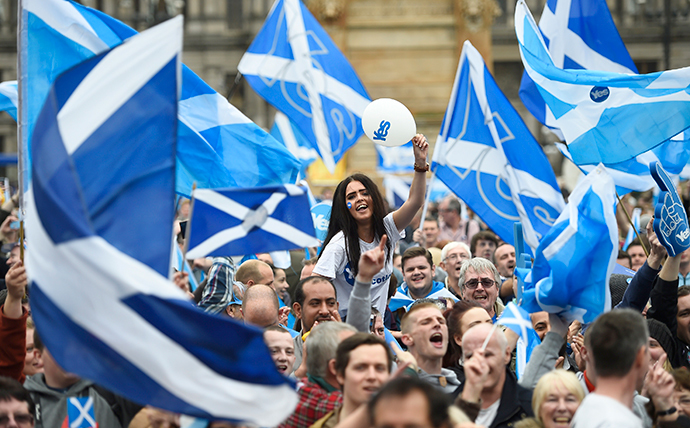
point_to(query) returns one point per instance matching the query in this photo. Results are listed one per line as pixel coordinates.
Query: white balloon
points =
(388, 122)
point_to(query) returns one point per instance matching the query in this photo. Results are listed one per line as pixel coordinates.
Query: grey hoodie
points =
(110, 410)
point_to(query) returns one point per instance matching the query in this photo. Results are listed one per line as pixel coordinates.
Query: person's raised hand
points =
(476, 375)
(659, 385)
(421, 148)
(371, 262)
(418, 237)
(16, 281)
(657, 252)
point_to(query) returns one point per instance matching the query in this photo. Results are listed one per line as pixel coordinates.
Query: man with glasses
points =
(452, 256)
(480, 281)
(453, 227)
(16, 406)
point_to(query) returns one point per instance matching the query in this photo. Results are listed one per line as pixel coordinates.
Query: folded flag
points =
(217, 145)
(403, 299)
(670, 220)
(605, 117)
(8, 98)
(573, 263)
(232, 222)
(294, 65)
(104, 151)
(489, 158)
(519, 321)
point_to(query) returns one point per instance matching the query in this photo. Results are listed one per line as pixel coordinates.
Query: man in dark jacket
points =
(491, 395)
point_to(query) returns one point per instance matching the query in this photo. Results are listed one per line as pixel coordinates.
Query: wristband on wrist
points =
(670, 411)
(424, 168)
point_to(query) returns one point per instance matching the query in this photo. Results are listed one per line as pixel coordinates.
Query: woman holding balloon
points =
(358, 221)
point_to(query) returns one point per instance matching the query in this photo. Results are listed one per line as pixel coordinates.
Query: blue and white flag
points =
(635, 217)
(519, 321)
(488, 157)
(572, 266)
(104, 154)
(8, 98)
(604, 116)
(177, 261)
(80, 413)
(402, 298)
(232, 222)
(286, 132)
(397, 189)
(294, 65)
(579, 34)
(217, 145)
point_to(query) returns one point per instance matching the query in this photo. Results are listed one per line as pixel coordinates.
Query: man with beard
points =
(479, 281)
(425, 333)
(452, 256)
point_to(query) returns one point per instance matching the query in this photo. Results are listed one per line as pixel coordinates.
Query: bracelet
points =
(424, 168)
(670, 411)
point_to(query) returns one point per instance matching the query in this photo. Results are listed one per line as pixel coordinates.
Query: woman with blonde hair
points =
(555, 400)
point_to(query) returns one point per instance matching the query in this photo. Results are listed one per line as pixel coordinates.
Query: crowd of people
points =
(396, 323)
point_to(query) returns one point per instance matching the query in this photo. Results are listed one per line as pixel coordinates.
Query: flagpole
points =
(646, 252)
(21, 120)
(188, 228)
(235, 84)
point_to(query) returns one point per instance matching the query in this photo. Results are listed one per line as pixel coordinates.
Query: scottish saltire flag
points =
(80, 413)
(104, 154)
(8, 98)
(604, 116)
(402, 298)
(397, 190)
(488, 157)
(518, 320)
(286, 132)
(395, 160)
(572, 265)
(178, 261)
(294, 65)
(579, 34)
(635, 217)
(217, 145)
(232, 222)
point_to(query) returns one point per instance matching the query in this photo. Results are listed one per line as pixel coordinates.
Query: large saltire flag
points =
(294, 65)
(217, 145)
(233, 222)
(581, 34)
(488, 157)
(285, 131)
(604, 116)
(101, 206)
(573, 263)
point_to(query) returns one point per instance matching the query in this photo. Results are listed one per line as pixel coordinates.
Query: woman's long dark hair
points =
(453, 317)
(341, 220)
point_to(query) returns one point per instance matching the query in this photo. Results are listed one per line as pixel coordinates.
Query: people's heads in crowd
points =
(322, 344)
(556, 397)
(504, 260)
(431, 230)
(17, 409)
(234, 309)
(683, 314)
(661, 342)
(280, 283)
(452, 256)
(541, 323)
(32, 361)
(362, 365)
(624, 259)
(260, 306)
(356, 199)
(418, 271)
(409, 402)
(449, 210)
(397, 262)
(424, 332)
(315, 300)
(479, 281)
(681, 394)
(618, 283)
(254, 272)
(376, 326)
(636, 252)
(618, 346)
(183, 210)
(460, 318)
(308, 266)
(55, 376)
(497, 353)
(265, 257)
(282, 348)
(484, 244)
(12, 254)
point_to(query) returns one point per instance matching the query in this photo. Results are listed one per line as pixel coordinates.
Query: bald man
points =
(254, 272)
(260, 306)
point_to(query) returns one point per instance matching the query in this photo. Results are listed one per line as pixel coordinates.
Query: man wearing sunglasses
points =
(479, 281)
